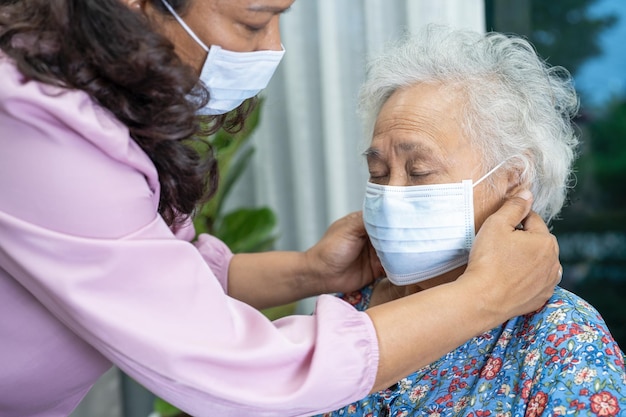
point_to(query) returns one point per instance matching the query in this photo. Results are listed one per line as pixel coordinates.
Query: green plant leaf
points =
(230, 178)
(232, 158)
(274, 313)
(165, 409)
(247, 230)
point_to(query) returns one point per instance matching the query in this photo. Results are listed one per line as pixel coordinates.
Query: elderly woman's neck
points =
(386, 291)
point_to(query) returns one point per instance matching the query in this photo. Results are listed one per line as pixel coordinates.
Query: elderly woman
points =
(458, 122)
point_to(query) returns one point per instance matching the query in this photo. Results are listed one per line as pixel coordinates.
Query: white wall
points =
(307, 166)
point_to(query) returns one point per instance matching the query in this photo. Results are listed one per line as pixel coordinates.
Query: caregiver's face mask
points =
(231, 77)
(420, 232)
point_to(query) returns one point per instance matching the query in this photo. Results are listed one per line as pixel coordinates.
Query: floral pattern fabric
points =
(558, 361)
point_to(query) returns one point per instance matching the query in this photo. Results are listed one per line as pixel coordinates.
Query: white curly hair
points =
(518, 108)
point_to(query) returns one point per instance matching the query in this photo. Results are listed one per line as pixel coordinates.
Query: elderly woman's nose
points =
(400, 179)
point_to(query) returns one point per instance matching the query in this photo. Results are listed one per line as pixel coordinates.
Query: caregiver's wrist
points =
(482, 303)
(307, 275)
(314, 276)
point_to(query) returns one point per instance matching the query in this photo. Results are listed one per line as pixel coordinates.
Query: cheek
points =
(485, 204)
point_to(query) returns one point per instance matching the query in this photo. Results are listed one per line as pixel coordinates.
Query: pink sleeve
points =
(217, 255)
(151, 305)
(215, 252)
(79, 231)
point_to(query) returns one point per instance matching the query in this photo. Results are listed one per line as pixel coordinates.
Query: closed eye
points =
(378, 177)
(420, 174)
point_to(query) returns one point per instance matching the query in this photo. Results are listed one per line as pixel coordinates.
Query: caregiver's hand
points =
(515, 271)
(344, 260)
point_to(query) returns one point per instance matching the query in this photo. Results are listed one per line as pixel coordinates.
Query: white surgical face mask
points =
(420, 232)
(231, 77)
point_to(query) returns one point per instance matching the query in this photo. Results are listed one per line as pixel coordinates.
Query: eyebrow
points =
(403, 147)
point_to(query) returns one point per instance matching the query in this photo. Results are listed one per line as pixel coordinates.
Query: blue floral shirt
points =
(558, 361)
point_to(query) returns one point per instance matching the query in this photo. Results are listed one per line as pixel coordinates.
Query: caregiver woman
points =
(98, 182)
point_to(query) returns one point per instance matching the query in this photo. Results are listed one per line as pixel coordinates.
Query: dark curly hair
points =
(111, 52)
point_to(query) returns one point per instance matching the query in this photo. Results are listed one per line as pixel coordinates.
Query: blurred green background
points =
(588, 37)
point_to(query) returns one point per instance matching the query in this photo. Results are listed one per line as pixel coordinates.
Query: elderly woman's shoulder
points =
(566, 303)
(567, 317)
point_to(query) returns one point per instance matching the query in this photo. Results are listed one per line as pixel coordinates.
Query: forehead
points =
(422, 116)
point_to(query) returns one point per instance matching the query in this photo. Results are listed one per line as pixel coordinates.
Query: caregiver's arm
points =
(270, 279)
(510, 272)
(342, 261)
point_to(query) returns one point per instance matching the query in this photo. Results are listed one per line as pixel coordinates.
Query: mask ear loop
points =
(519, 226)
(184, 25)
(490, 172)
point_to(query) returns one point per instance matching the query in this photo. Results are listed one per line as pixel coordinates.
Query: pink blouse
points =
(90, 276)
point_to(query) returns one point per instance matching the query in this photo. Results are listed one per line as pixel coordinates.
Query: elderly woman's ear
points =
(517, 174)
(515, 182)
